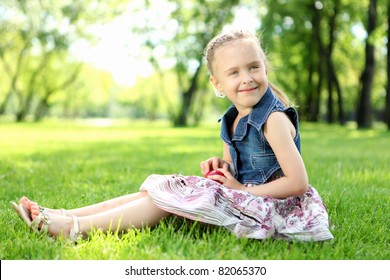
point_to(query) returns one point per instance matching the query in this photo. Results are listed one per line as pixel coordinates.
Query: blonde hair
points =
(231, 36)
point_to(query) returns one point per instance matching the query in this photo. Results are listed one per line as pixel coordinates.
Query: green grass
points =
(74, 164)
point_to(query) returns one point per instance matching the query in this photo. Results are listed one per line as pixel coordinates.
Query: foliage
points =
(89, 96)
(181, 42)
(316, 54)
(35, 50)
(74, 164)
(155, 97)
(301, 65)
(291, 35)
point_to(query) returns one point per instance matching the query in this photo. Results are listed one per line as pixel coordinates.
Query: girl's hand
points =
(213, 163)
(227, 180)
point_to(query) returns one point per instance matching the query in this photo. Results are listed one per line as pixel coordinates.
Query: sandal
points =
(41, 223)
(75, 233)
(22, 212)
(28, 205)
(16, 208)
(24, 200)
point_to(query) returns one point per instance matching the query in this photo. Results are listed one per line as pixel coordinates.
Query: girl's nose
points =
(247, 79)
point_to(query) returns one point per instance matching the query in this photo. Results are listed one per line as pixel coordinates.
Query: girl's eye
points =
(255, 67)
(233, 73)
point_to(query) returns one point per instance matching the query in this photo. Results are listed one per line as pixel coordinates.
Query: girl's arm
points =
(228, 158)
(280, 132)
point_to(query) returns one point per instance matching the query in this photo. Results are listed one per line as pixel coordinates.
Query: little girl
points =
(262, 188)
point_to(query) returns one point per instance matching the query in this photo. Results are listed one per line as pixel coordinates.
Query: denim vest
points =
(253, 159)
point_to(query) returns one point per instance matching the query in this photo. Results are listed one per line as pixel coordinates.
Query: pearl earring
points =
(219, 93)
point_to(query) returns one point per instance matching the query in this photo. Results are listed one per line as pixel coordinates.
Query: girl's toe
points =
(35, 210)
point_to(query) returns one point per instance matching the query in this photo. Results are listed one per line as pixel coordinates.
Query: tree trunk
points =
(188, 95)
(330, 111)
(341, 115)
(311, 94)
(315, 104)
(14, 76)
(331, 73)
(335, 80)
(41, 110)
(363, 113)
(310, 99)
(3, 106)
(387, 110)
(25, 107)
(319, 88)
(43, 104)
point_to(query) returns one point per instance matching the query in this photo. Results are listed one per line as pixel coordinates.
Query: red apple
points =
(215, 172)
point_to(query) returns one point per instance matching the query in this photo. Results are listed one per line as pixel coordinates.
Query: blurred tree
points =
(316, 50)
(314, 46)
(87, 97)
(37, 35)
(387, 109)
(364, 110)
(192, 25)
(333, 81)
(150, 98)
(315, 68)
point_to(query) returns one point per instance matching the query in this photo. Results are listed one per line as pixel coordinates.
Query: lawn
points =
(67, 165)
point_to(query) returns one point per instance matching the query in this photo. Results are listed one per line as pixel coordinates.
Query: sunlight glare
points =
(120, 51)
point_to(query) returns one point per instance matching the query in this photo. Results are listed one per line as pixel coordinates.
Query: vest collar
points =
(260, 112)
(256, 117)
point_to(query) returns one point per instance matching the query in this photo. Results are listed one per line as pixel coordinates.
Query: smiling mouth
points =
(248, 89)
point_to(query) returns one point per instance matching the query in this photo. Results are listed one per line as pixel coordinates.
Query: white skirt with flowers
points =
(302, 218)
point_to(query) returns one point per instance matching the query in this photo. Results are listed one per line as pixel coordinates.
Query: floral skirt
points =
(302, 218)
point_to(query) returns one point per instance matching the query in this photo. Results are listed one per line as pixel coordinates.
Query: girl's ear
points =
(214, 82)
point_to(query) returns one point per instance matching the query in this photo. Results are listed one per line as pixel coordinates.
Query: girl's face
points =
(239, 72)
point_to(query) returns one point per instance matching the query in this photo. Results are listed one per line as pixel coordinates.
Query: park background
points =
(96, 95)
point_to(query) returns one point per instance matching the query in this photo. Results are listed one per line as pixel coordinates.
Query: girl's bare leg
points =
(91, 209)
(135, 214)
(106, 205)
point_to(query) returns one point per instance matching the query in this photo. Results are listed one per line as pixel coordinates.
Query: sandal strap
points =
(65, 212)
(75, 233)
(41, 223)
